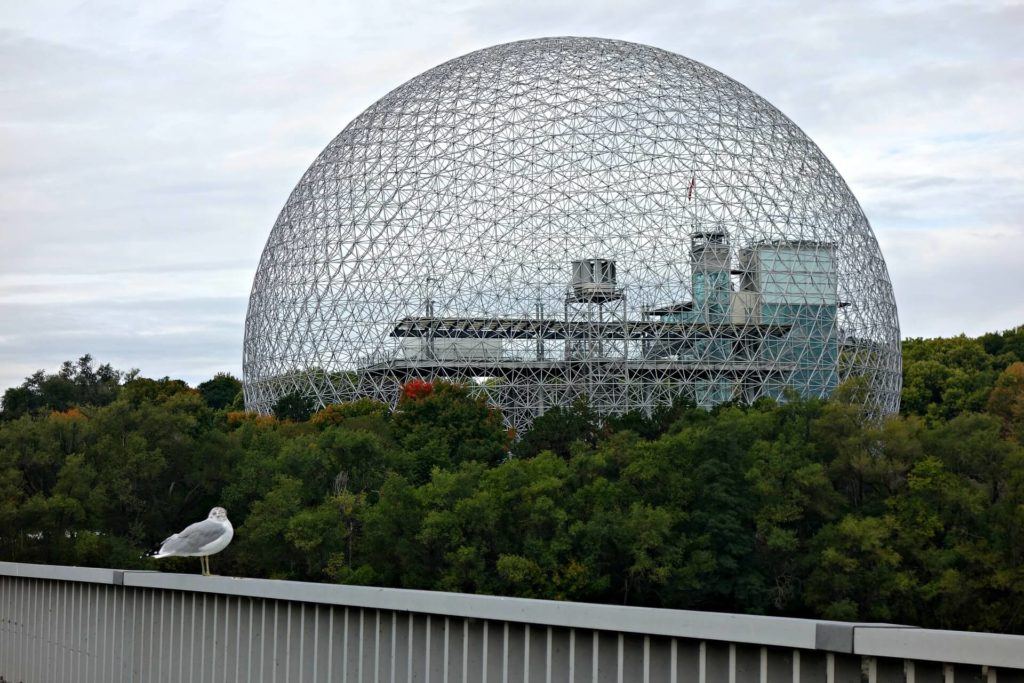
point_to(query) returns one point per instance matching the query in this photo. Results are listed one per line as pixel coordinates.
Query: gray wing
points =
(194, 537)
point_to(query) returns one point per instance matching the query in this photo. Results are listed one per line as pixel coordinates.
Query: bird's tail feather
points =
(154, 552)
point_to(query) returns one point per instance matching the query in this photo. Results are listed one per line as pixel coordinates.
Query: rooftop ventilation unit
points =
(593, 281)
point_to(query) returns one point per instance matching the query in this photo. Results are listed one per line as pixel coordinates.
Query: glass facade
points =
(782, 311)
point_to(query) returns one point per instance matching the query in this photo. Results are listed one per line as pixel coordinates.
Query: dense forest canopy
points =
(807, 508)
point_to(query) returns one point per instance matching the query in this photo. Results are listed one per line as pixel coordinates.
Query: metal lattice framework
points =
(568, 218)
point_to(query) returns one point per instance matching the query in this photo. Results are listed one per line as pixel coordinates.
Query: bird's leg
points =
(202, 562)
(208, 572)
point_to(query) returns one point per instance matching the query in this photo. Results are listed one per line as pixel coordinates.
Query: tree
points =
(804, 507)
(444, 425)
(221, 391)
(141, 390)
(558, 429)
(75, 384)
(294, 406)
(1007, 400)
(856, 573)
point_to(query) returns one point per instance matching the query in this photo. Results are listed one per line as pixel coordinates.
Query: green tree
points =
(75, 384)
(558, 429)
(856, 573)
(221, 391)
(295, 406)
(806, 507)
(444, 425)
(1007, 400)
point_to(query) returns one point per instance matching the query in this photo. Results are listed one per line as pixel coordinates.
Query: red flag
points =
(693, 186)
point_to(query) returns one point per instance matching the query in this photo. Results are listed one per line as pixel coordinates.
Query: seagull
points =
(201, 539)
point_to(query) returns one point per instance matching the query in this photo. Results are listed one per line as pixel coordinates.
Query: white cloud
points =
(146, 149)
(956, 280)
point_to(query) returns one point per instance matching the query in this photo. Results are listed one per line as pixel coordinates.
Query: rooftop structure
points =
(569, 218)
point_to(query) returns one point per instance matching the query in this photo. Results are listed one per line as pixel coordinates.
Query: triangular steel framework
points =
(568, 218)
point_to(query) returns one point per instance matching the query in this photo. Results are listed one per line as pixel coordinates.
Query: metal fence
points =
(77, 624)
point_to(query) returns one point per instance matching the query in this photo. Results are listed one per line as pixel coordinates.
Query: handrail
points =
(868, 639)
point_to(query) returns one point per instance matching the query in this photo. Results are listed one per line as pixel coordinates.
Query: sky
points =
(146, 148)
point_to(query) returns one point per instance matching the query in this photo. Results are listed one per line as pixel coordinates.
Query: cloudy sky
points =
(145, 148)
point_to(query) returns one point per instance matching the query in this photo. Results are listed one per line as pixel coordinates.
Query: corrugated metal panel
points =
(70, 624)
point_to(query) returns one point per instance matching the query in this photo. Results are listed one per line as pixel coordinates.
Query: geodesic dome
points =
(568, 218)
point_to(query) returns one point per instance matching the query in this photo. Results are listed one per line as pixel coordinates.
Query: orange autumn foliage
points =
(416, 389)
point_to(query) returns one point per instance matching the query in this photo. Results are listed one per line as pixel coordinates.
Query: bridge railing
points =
(82, 624)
